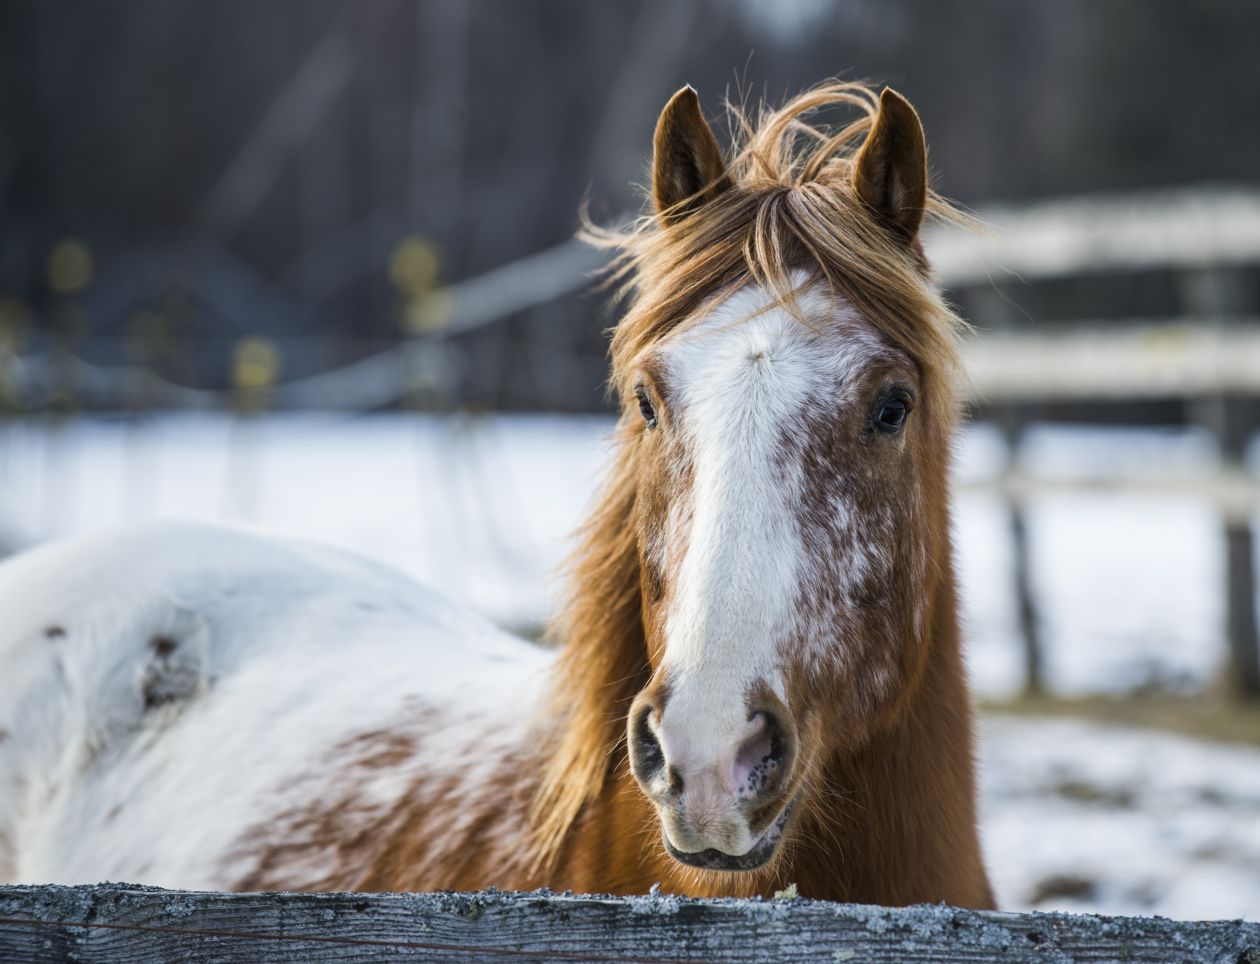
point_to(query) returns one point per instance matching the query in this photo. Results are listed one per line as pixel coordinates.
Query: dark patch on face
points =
(114, 811)
(174, 673)
(163, 646)
(55, 632)
(759, 776)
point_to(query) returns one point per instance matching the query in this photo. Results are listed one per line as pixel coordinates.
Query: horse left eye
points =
(890, 415)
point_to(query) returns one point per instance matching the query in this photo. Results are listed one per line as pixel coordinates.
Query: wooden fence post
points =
(1215, 291)
(1021, 558)
(1236, 421)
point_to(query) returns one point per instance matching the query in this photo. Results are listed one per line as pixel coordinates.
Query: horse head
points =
(782, 373)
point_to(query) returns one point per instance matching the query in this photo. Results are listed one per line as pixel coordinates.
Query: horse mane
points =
(603, 660)
(790, 205)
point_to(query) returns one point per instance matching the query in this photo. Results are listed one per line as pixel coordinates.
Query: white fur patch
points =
(165, 690)
(739, 381)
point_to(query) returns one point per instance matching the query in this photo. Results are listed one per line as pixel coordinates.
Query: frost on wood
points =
(119, 922)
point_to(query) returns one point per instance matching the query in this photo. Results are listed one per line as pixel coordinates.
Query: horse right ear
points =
(687, 166)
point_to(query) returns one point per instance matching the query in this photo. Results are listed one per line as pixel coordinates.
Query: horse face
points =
(780, 537)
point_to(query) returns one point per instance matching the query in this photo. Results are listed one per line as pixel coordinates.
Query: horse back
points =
(163, 690)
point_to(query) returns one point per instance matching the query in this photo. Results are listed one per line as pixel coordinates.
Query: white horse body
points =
(167, 692)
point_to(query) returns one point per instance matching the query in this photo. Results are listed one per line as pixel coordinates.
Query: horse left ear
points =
(890, 170)
(687, 165)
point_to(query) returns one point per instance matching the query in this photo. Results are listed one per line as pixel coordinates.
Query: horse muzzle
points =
(723, 789)
(711, 858)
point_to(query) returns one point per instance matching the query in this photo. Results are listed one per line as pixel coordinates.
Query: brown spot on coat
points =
(173, 674)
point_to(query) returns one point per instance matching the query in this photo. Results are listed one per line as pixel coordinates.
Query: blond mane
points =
(790, 206)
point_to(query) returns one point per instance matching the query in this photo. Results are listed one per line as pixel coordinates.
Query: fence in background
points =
(1202, 368)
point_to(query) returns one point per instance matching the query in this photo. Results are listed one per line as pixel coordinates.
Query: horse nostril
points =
(762, 759)
(647, 759)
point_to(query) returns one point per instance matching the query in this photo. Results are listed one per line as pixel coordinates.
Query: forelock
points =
(791, 210)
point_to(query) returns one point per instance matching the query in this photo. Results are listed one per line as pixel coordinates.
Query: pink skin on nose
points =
(740, 772)
(708, 814)
(753, 766)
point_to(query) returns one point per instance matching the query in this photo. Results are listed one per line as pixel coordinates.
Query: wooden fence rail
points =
(125, 923)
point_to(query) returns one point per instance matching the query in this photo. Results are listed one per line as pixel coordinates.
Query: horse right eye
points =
(645, 407)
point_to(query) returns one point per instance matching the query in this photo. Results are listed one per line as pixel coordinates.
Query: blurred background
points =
(309, 264)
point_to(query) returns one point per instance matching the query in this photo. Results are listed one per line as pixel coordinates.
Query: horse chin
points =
(762, 851)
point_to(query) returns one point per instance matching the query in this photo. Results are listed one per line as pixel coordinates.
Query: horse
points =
(758, 681)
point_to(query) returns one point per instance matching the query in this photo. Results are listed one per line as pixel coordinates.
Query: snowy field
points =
(1087, 817)
(1128, 585)
(1076, 815)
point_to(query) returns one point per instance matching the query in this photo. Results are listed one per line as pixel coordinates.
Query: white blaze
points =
(741, 381)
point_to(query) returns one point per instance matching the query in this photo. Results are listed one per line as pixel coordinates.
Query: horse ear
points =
(687, 166)
(890, 170)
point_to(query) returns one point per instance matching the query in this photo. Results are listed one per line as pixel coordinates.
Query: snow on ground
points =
(1128, 586)
(1087, 817)
(1076, 815)
(481, 507)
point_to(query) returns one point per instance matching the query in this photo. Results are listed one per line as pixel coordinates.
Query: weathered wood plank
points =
(1174, 228)
(1112, 360)
(124, 923)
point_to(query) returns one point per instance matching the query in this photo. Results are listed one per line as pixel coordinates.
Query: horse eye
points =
(645, 408)
(890, 414)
